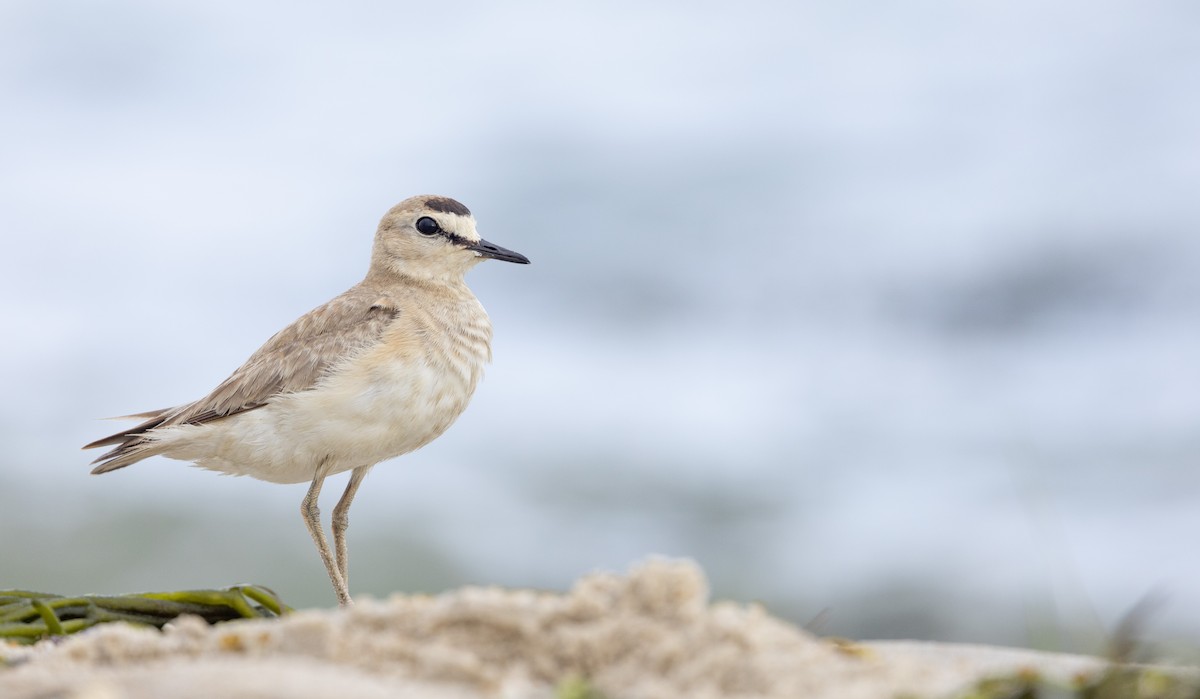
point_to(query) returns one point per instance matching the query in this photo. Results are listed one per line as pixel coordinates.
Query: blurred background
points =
(885, 313)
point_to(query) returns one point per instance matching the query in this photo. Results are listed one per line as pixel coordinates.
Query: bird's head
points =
(432, 237)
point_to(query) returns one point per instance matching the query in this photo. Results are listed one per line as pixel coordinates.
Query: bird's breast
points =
(409, 388)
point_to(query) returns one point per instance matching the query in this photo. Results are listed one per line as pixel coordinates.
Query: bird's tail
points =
(125, 455)
(132, 445)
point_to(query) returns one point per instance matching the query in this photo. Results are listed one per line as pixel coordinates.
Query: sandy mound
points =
(649, 634)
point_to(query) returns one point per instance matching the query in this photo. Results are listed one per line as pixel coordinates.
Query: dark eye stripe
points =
(456, 239)
(428, 227)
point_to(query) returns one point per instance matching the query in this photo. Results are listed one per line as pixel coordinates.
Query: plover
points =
(377, 372)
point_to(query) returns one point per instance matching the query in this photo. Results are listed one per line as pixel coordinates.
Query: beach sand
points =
(648, 634)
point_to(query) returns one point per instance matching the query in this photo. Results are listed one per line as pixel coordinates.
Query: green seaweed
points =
(27, 617)
(1117, 682)
(576, 687)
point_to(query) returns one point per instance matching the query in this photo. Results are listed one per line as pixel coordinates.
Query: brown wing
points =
(291, 361)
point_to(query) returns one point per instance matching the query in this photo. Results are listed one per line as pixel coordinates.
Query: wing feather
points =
(293, 360)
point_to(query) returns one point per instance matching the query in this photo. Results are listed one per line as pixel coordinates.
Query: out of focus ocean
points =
(886, 313)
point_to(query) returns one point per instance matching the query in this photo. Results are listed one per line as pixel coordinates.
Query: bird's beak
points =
(485, 249)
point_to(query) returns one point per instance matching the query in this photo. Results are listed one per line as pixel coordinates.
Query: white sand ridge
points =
(649, 634)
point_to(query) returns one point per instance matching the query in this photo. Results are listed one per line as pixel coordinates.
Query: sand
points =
(652, 633)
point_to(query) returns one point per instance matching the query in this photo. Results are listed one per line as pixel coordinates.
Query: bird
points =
(379, 371)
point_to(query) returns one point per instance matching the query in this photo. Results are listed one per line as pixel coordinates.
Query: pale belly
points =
(364, 414)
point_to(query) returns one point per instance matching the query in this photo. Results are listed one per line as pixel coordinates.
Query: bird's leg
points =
(312, 518)
(341, 521)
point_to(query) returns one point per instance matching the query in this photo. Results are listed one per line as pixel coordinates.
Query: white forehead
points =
(457, 224)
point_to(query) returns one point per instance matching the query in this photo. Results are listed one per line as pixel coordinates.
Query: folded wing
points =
(293, 360)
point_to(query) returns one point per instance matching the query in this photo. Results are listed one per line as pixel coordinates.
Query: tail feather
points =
(124, 455)
(153, 418)
(142, 416)
(131, 445)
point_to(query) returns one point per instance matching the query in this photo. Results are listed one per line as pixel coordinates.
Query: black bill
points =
(486, 249)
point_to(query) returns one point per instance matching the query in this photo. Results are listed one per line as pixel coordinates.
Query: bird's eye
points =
(427, 226)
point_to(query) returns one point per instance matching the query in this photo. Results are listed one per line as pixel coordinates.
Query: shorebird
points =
(379, 371)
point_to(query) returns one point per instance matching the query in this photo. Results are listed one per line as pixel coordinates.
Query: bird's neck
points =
(392, 276)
